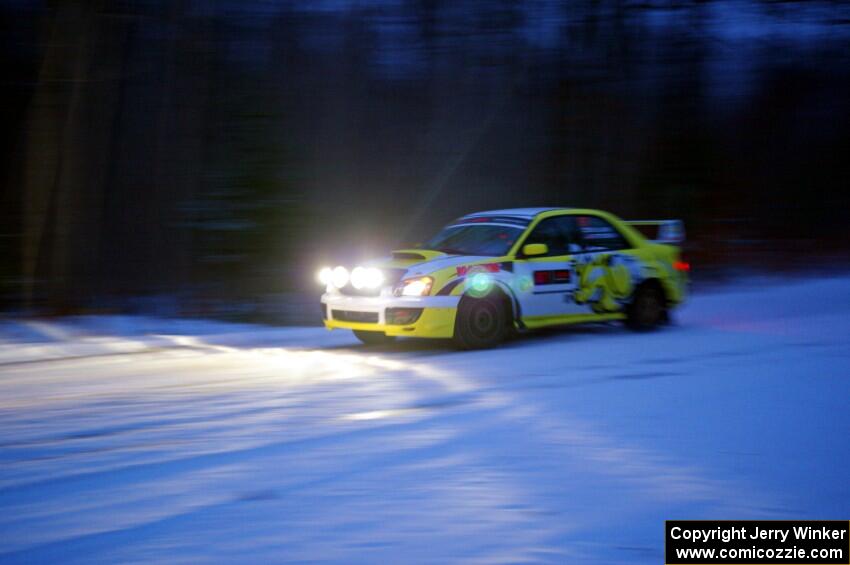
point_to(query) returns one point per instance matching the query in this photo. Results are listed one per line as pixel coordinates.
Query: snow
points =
(130, 439)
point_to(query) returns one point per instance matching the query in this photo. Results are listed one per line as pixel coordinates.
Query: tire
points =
(373, 338)
(648, 308)
(481, 322)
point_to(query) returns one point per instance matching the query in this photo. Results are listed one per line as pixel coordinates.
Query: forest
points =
(203, 158)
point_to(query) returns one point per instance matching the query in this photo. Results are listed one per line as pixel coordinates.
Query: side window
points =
(556, 233)
(599, 235)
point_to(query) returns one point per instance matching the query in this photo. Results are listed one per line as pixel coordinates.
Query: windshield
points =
(491, 240)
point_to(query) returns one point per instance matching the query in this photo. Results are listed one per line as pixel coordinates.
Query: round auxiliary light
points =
(363, 277)
(374, 278)
(358, 277)
(325, 275)
(339, 276)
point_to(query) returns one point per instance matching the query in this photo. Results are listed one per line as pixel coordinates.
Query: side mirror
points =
(535, 249)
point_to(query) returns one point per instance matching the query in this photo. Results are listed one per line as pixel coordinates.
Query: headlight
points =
(420, 286)
(339, 276)
(325, 275)
(362, 277)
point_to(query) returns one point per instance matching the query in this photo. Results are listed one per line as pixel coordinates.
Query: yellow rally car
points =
(488, 274)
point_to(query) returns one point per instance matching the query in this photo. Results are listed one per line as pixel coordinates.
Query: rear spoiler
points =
(667, 231)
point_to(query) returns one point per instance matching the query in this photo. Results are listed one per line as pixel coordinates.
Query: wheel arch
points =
(658, 284)
(506, 295)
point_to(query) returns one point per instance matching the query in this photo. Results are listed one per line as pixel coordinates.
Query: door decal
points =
(606, 281)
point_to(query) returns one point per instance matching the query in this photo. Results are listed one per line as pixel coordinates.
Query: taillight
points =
(682, 266)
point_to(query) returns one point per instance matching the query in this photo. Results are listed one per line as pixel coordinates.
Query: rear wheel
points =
(648, 308)
(373, 338)
(481, 322)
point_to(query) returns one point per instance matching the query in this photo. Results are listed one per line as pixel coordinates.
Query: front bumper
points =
(437, 318)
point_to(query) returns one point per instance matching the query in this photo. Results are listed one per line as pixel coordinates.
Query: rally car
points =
(489, 274)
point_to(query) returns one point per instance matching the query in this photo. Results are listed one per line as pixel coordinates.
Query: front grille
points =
(349, 290)
(391, 277)
(353, 316)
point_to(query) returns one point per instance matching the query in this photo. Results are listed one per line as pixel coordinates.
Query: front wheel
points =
(373, 338)
(648, 308)
(481, 323)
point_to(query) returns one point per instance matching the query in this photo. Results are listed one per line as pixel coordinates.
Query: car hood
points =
(419, 262)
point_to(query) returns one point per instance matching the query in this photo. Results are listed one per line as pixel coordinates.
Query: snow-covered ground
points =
(137, 439)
